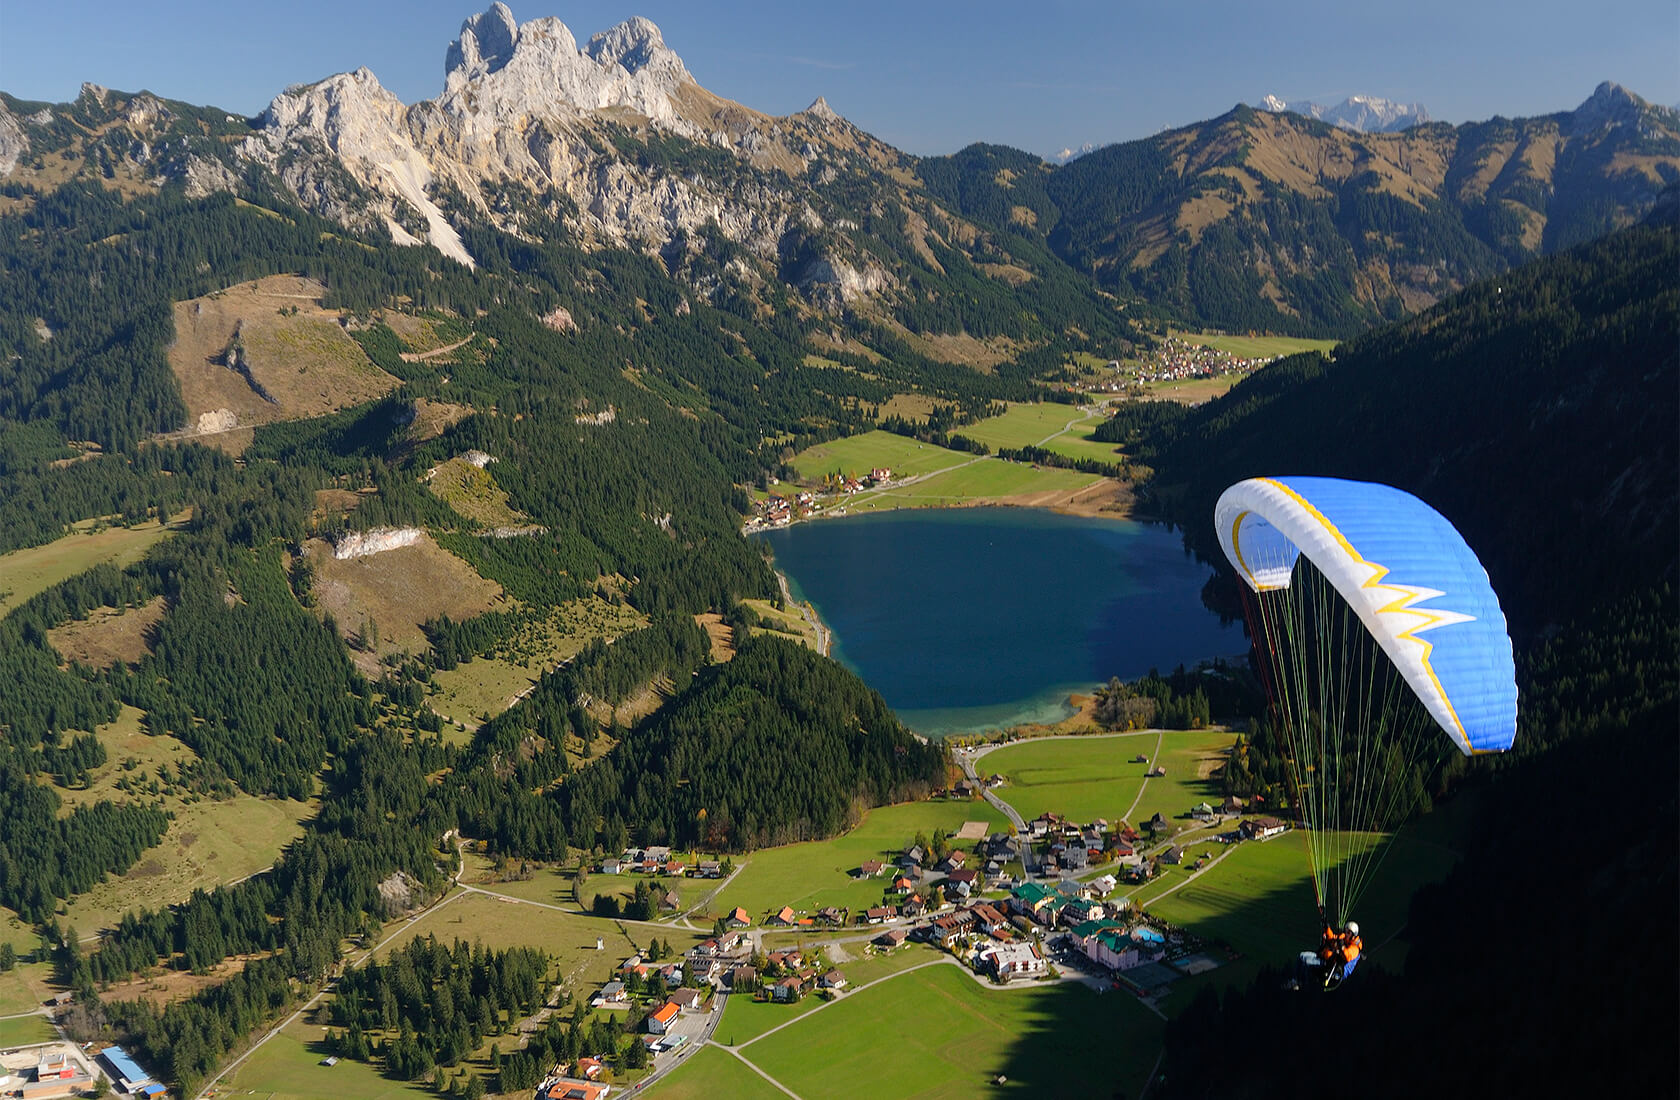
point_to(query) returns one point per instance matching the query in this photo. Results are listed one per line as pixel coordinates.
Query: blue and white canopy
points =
(1406, 572)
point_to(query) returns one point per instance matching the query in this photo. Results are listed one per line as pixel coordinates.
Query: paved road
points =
(664, 1064)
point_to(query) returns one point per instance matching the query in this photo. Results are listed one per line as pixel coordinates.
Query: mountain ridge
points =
(1253, 220)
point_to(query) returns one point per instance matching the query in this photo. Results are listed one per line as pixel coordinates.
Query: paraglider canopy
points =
(1405, 571)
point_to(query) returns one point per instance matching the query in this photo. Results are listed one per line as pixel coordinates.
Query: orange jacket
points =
(1331, 945)
(1350, 947)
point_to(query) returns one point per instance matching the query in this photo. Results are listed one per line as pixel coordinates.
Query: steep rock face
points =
(531, 123)
(13, 143)
(365, 126)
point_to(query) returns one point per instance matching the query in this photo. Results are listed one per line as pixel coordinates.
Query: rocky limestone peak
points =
(500, 72)
(1609, 105)
(637, 46)
(819, 108)
(486, 43)
(362, 122)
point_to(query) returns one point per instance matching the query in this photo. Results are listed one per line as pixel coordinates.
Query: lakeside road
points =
(825, 637)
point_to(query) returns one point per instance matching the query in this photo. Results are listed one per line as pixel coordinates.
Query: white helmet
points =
(1353, 928)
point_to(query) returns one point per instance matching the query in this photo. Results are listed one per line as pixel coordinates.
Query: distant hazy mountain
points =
(1366, 113)
(1074, 154)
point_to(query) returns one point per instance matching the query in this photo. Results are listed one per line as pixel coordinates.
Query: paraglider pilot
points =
(1337, 955)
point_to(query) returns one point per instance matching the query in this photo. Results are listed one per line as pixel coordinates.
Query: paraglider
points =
(1377, 632)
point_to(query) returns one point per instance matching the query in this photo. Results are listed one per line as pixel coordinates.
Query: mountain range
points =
(1259, 219)
(1364, 113)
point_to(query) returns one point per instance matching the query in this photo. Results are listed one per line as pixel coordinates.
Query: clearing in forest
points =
(264, 351)
(33, 570)
(486, 686)
(380, 600)
(109, 636)
(208, 842)
(785, 624)
(472, 491)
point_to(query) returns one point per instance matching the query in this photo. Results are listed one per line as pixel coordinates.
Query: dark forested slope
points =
(1535, 410)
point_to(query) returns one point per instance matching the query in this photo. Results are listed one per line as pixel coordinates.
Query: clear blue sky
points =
(930, 76)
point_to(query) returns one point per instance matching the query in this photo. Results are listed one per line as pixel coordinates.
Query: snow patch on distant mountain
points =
(1364, 113)
(1073, 154)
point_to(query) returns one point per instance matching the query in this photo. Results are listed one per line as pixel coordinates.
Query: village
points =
(1045, 903)
(779, 510)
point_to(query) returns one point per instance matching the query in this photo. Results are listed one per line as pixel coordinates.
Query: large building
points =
(1013, 960)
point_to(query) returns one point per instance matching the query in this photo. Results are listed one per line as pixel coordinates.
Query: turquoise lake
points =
(979, 618)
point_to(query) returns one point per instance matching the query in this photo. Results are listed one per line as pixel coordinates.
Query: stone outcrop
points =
(13, 142)
(359, 544)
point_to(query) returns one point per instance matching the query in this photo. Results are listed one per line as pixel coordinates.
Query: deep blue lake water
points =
(975, 618)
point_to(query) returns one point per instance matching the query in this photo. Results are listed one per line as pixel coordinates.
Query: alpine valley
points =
(385, 663)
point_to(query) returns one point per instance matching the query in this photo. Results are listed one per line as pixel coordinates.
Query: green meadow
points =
(1255, 347)
(31, 571)
(1065, 429)
(858, 454)
(985, 479)
(938, 1032)
(1083, 778)
(712, 1072)
(816, 874)
(22, 1030)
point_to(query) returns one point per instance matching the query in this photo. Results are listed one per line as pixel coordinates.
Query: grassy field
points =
(816, 874)
(473, 493)
(1256, 347)
(489, 685)
(1191, 391)
(745, 1019)
(569, 938)
(33, 570)
(858, 454)
(988, 479)
(23, 987)
(784, 623)
(26, 1029)
(710, 1073)
(1190, 757)
(1259, 899)
(936, 1032)
(288, 1067)
(207, 843)
(1084, 778)
(1065, 429)
(381, 600)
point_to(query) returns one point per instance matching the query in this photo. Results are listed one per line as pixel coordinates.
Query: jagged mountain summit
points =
(533, 128)
(1365, 113)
